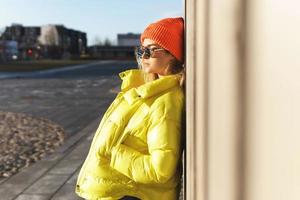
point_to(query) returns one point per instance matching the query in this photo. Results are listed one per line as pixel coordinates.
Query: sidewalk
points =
(75, 104)
(53, 177)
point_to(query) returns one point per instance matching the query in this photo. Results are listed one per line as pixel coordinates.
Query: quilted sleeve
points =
(161, 163)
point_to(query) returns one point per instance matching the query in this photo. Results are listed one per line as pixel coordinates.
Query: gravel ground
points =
(24, 140)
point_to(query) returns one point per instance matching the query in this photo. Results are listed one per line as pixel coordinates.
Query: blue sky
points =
(98, 18)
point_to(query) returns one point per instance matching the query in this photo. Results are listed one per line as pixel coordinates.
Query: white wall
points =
(243, 94)
(273, 107)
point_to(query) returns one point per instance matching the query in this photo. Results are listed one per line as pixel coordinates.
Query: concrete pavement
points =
(77, 103)
(53, 177)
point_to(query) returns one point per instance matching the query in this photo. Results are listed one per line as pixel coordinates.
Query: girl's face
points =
(159, 60)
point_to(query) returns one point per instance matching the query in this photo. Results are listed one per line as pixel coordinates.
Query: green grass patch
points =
(35, 65)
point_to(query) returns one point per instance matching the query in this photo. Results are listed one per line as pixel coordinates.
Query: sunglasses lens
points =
(143, 52)
(147, 53)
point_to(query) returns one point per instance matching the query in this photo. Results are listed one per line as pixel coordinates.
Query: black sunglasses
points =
(146, 52)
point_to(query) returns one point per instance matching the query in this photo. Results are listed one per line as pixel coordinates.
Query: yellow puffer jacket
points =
(136, 148)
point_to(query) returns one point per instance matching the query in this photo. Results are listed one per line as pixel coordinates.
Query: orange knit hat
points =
(168, 33)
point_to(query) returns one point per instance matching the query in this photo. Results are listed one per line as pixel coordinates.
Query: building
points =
(26, 38)
(124, 50)
(48, 41)
(67, 42)
(129, 39)
(111, 52)
(8, 50)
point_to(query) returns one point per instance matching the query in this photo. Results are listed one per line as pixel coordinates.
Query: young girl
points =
(136, 150)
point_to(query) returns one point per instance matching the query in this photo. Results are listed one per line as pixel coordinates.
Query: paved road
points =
(103, 68)
(106, 68)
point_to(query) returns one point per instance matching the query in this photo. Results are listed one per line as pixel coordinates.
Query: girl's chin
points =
(145, 65)
(147, 69)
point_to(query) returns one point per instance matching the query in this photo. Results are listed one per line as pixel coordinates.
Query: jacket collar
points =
(133, 80)
(157, 86)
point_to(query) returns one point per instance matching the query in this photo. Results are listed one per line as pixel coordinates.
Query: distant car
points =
(14, 57)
